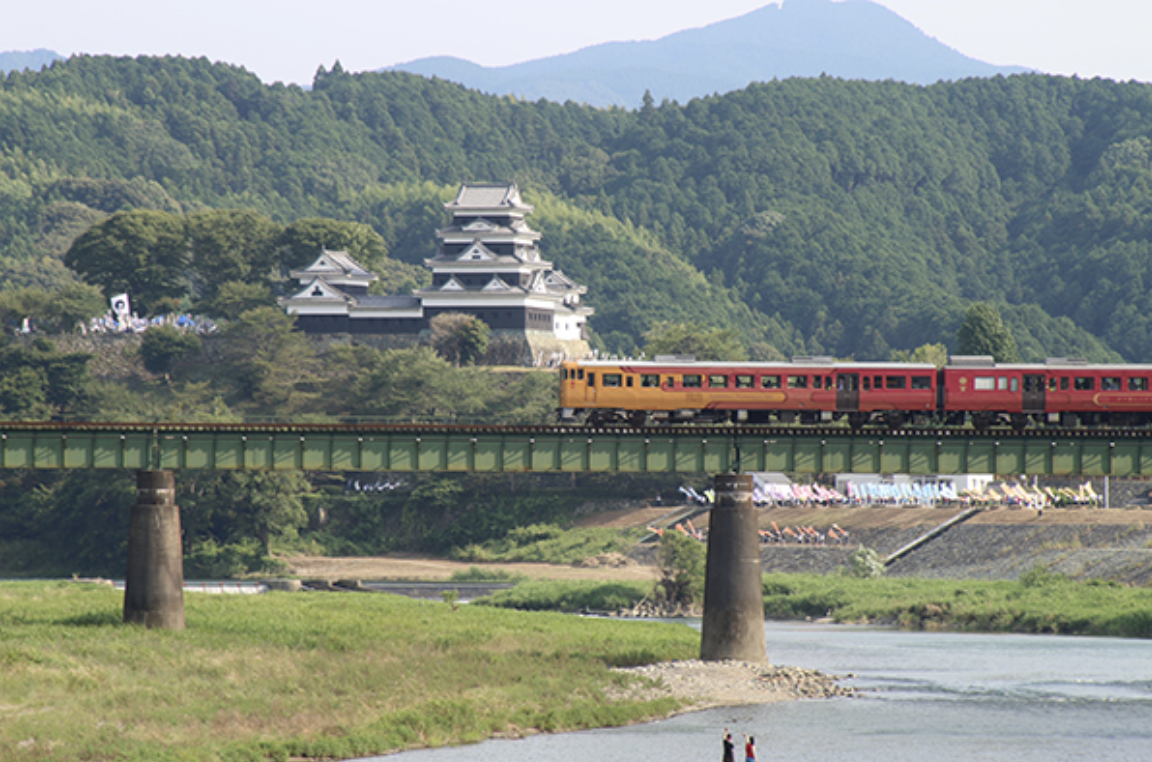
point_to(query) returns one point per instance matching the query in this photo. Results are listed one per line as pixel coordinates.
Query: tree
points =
(55, 311)
(230, 245)
(983, 333)
(937, 354)
(143, 253)
(267, 504)
(459, 338)
(682, 563)
(415, 383)
(272, 364)
(866, 563)
(303, 240)
(163, 346)
(688, 339)
(234, 298)
(37, 381)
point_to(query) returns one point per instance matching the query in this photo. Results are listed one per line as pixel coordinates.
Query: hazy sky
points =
(285, 40)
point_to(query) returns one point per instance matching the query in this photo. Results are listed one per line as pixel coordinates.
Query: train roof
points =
(977, 363)
(795, 363)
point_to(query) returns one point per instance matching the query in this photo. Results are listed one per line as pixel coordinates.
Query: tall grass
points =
(301, 675)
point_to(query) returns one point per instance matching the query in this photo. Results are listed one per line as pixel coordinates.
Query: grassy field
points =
(1039, 602)
(280, 676)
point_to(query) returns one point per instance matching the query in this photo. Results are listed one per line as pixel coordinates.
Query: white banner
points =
(120, 305)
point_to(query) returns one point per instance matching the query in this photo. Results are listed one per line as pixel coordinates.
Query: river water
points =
(942, 697)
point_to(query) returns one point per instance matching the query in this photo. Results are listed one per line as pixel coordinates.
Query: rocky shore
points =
(701, 685)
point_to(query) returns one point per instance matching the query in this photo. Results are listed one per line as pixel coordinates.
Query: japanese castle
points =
(488, 265)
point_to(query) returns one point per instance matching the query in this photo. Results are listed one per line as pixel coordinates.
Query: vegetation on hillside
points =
(784, 211)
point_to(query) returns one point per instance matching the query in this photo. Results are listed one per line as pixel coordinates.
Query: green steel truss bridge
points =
(460, 448)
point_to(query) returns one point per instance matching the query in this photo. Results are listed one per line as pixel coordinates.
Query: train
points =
(969, 390)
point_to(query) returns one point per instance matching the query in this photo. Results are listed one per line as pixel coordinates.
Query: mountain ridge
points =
(854, 39)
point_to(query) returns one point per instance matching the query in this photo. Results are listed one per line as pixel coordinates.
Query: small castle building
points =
(488, 265)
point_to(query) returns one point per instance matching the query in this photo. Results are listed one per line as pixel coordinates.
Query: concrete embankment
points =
(1003, 544)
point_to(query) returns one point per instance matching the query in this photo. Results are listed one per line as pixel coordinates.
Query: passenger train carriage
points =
(808, 390)
(815, 389)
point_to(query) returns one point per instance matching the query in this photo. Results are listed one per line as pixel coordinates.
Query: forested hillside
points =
(805, 215)
(812, 215)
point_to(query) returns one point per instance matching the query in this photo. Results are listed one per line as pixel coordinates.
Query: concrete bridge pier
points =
(733, 624)
(154, 583)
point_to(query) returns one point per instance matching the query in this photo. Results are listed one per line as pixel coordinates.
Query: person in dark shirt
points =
(728, 747)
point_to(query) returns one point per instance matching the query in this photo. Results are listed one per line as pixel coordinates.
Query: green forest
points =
(802, 216)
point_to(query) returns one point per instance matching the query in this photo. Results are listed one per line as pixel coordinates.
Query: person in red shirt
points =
(749, 748)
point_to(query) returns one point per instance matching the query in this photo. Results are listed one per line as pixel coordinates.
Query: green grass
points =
(1040, 602)
(569, 596)
(550, 544)
(301, 675)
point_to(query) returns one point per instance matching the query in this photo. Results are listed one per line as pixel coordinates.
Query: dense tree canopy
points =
(819, 216)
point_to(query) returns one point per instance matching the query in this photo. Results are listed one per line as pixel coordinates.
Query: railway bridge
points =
(733, 625)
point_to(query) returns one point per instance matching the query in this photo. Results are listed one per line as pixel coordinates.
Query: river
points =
(944, 697)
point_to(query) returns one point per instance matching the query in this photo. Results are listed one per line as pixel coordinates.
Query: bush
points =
(866, 564)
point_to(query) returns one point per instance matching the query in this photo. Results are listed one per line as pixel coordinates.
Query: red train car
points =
(1058, 392)
(808, 390)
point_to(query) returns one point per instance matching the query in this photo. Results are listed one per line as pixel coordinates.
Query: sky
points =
(286, 40)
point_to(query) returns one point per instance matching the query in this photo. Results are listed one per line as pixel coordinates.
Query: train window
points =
(1084, 383)
(770, 382)
(1014, 384)
(692, 381)
(1110, 384)
(818, 382)
(1064, 384)
(878, 382)
(867, 383)
(896, 382)
(1138, 384)
(797, 382)
(649, 380)
(1052, 384)
(628, 381)
(591, 379)
(1002, 383)
(984, 383)
(612, 379)
(563, 374)
(743, 382)
(717, 382)
(921, 382)
(580, 375)
(670, 381)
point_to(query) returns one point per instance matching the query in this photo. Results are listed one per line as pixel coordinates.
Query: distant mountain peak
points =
(852, 39)
(18, 60)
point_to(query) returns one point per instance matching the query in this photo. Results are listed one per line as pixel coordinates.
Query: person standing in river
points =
(749, 748)
(729, 747)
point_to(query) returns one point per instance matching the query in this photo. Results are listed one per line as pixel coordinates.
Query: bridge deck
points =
(322, 447)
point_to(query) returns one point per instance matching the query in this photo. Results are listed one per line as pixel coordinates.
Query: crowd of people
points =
(113, 322)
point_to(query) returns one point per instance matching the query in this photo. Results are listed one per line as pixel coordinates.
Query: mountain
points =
(19, 60)
(855, 39)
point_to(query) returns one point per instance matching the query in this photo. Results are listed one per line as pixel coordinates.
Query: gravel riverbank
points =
(701, 685)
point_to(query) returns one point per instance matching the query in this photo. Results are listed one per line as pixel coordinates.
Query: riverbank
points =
(999, 544)
(335, 676)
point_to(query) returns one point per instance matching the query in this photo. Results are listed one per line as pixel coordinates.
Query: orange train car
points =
(808, 390)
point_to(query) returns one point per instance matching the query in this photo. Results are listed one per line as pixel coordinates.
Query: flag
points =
(121, 306)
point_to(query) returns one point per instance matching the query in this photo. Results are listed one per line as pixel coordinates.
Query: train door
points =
(590, 389)
(1034, 399)
(847, 392)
